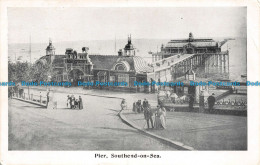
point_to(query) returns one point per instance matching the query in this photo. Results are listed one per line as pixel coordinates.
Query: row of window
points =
(75, 56)
(120, 78)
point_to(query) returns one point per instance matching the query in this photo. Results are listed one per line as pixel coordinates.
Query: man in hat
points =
(145, 104)
(139, 106)
(148, 116)
(211, 102)
(80, 103)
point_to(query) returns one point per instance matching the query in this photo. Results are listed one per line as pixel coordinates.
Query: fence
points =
(221, 104)
(230, 104)
(31, 97)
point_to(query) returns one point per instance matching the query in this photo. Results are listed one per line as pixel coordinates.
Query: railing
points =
(231, 104)
(221, 104)
(31, 97)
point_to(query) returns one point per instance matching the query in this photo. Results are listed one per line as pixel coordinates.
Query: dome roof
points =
(50, 46)
(129, 45)
(133, 63)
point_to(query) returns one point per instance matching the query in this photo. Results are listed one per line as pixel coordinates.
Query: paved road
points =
(95, 128)
(202, 131)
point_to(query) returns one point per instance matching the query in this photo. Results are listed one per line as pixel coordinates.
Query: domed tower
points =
(190, 37)
(129, 48)
(50, 50)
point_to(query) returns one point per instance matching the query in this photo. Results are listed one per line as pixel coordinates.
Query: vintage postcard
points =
(125, 83)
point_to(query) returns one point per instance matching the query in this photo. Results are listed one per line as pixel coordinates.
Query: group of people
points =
(155, 118)
(211, 102)
(73, 103)
(139, 107)
(159, 117)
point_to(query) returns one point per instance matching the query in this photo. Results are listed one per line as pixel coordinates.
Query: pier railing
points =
(234, 104)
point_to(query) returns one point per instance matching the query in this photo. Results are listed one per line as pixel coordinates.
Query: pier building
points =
(126, 66)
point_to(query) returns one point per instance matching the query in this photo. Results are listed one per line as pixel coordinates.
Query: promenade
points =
(96, 127)
(200, 131)
(197, 130)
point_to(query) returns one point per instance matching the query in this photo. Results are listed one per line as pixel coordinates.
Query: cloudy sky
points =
(74, 24)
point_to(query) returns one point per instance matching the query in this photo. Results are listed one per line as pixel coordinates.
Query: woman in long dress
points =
(163, 117)
(73, 102)
(68, 101)
(157, 120)
(134, 107)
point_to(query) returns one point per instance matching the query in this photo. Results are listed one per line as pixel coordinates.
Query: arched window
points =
(120, 67)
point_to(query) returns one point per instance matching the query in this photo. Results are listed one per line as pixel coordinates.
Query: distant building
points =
(74, 67)
(190, 45)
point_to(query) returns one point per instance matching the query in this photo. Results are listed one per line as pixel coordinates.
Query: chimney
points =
(85, 49)
(120, 52)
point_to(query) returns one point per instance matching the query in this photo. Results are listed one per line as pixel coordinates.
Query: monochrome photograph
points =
(127, 79)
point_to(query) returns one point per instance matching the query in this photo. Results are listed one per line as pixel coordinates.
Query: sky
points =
(77, 24)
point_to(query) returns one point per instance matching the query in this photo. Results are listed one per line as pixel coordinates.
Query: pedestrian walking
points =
(191, 102)
(68, 101)
(145, 103)
(148, 116)
(134, 107)
(211, 102)
(123, 105)
(72, 102)
(80, 103)
(163, 117)
(76, 104)
(11, 92)
(157, 120)
(139, 106)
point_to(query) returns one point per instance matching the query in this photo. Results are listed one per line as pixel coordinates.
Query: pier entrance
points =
(75, 75)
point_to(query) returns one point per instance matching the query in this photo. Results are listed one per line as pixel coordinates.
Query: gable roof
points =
(103, 61)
